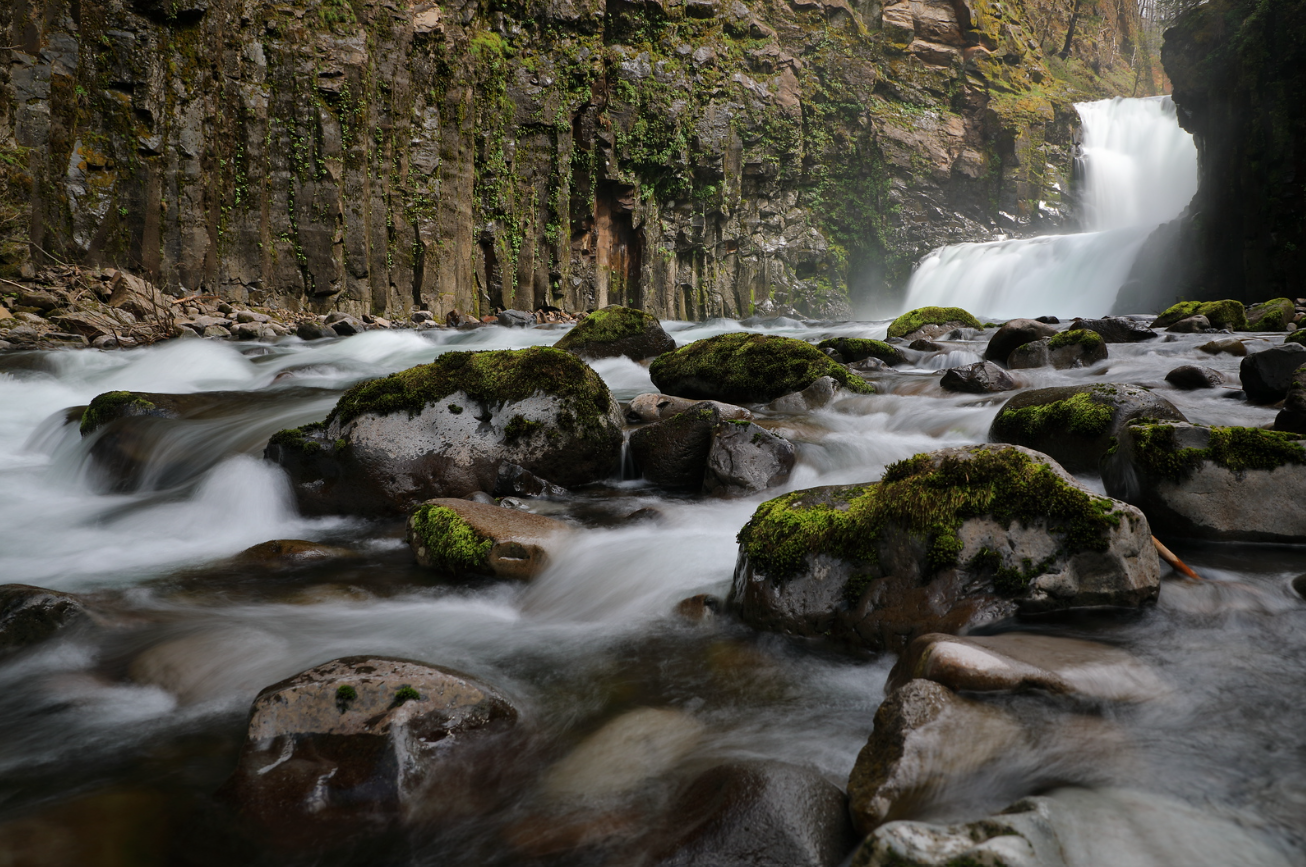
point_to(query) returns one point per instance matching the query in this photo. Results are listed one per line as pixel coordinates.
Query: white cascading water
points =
(1140, 170)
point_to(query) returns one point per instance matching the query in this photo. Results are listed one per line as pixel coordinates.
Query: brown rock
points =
(520, 542)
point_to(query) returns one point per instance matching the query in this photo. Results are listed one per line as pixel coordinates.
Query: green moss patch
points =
(607, 326)
(451, 543)
(922, 316)
(1076, 337)
(747, 368)
(1078, 414)
(1235, 448)
(929, 497)
(1221, 314)
(489, 377)
(300, 438)
(857, 348)
(1273, 315)
(113, 404)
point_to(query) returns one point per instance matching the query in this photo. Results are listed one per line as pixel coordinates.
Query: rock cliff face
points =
(690, 157)
(1239, 69)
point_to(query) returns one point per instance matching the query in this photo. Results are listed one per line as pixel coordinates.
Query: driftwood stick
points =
(1179, 565)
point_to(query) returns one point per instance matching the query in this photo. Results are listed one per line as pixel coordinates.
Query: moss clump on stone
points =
(1007, 580)
(1221, 314)
(1272, 315)
(858, 348)
(1078, 414)
(608, 325)
(922, 316)
(1296, 337)
(300, 438)
(452, 544)
(344, 695)
(1237, 449)
(403, 694)
(929, 497)
(747, 368)
(489, 377)
(113, 404)
(1076, 337)
(520, 427)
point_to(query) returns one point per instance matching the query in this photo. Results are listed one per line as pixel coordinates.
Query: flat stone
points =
(520, 542)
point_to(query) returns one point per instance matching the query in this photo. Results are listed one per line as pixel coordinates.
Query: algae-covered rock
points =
(945, 541)
(852, 349)
(1077, 347)
(1273, 315)
(928, 322)
(615, 331)
(354, 742)
(747, 368)
(443, 429)
(1227, 483)
(1221, 314)
(1075, 424)
(112, 405)
(463, 538)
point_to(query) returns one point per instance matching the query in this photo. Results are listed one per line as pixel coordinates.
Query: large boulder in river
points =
(930, 322)
(615, 331)
(982, 377)
(1274, 315)
(1077, 347)
(1015, 334)
(1076, 424)
(355, 742)
(463, 538)
(699, 450)
(747, 368)
(1233, 484)
(30, 615)
(1292, 417)
(1115, 329)
(1266, 375)
(1221, 314)
(443, 429)
(944, 542)
(746, 458)
(1189, 377)
(853, 349)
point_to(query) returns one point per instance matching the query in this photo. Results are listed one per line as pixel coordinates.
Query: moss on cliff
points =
(922, 316)
(930, 497)
(747, 368)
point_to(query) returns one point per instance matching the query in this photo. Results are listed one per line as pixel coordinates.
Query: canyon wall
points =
(691, 157)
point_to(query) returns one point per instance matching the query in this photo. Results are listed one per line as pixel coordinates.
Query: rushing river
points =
(122, 734)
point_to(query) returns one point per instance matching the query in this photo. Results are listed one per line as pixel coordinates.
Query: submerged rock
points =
(1189, 377)
(755, 813)
(656, 407)
(1076, 424)
(291, 552)
(1233, 484)
(982, 377)
(1229, 345)
(615, 331)
(461, 538)
(30, 615)
(854, 349)
(357, 741)
(929, 322)
(443, 429)
(747, 368)
(1013, 335)
(945, 541)
(926, 741)
(1019, 661)
(1266, 375)
(1064, 351)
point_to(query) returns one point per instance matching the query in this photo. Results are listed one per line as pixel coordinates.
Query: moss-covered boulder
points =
(853, 349)
(461, 538)
(615, 331)
(443, 429)
(1115, 329)
(930, 322)
(1273, 315)
(1221, 314)
(1292, 417)
(747, 368)
(1076, 424)
(1067, 350)
(944, 542)
(1234, 484)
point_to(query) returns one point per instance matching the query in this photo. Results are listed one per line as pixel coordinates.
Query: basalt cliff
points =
(690, 157)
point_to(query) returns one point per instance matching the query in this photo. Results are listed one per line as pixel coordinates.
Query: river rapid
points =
(121, 735)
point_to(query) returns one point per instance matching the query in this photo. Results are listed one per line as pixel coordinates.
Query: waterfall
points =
(1140, 170)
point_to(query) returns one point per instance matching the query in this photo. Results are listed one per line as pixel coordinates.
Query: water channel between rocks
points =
(126, 732)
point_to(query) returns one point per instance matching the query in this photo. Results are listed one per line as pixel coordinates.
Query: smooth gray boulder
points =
(1015, 334)
(1267, 375)
(1190, 377)
(697, 450)
(982, 377)
(746, 458)
(1232, 484)
(1076, 424)
(946, 541)
(1064, 351)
